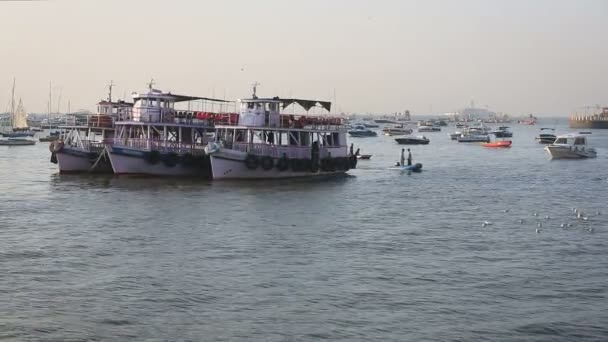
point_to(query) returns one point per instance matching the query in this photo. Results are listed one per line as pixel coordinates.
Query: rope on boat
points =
(101, 156)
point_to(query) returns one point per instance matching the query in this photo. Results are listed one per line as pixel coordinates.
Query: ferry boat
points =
(598, 120)
(162, 140)
(80, 146)
(266, 144)
(571, 146)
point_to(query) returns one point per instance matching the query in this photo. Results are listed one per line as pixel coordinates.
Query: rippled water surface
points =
(376, 255)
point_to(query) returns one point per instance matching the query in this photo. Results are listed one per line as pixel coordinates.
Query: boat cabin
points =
(576, 140)
(119, 111)
(154, 106)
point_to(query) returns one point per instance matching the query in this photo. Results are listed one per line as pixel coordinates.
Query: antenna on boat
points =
(110, 86)
(255, 87)
(151, 84)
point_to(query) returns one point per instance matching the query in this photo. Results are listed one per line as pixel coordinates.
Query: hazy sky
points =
(530, 56)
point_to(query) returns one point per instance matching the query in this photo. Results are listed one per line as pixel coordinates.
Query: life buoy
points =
(297, 165)
(170, 159)
(152, 157)
(282, 163)
(314, 166)
(252, 162)
(188, 160)
(56, 146)
(267, 163)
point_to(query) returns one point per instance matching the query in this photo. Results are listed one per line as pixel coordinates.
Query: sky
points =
(546, 57)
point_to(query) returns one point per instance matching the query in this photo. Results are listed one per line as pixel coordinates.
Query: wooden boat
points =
(498, 143)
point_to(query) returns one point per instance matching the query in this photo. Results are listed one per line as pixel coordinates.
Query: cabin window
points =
(579, 141)
(560, 141)
(272, 107)
(250, 105)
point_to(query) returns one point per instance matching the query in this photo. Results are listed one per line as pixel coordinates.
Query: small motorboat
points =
(498, 143)
(502, 132)
(429, 129)
(546, 136)
(17, 142)
(413, 168)
(474, 138)
(362, 131)
(364, 156)
(421, 140)
(571, 146)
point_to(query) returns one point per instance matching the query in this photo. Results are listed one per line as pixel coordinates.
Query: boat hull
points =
(588, 123)
(566, 152)
(410, 141)
(224, 168)
(127, 161)
(503, 144)
(17, 142)
(79, 161)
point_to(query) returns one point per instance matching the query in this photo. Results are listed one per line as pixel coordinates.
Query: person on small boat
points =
(402, 162)
(352, 145)
(357, 153)
(409, 157)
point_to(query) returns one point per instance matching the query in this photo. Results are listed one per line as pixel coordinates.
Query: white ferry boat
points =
(81, 144)
(162, 140)
(266, 144)
(571, 146)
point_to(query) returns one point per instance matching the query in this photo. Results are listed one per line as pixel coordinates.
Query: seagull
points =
(585, 218)
(547, 217)
(562, 225)
(539, 224)
(487, 223)
(535, 214)
(521, 221)
(483, 224)
(569, 225)
(590, 230)
(537, 230)
(507, 210)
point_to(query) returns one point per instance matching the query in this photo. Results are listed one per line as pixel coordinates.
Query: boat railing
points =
(161, 145)
(277, 151)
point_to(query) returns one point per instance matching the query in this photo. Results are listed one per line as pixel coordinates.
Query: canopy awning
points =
(306, 104)
(184, 98)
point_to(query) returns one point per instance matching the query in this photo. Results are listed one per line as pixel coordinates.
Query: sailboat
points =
(19, 125)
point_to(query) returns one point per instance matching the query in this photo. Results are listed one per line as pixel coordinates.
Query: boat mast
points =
(13, 104)
(110, 91)
(50, 99)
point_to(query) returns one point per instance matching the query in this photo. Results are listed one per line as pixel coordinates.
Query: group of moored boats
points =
(152, 136)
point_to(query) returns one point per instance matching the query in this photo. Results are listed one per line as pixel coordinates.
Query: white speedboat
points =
(571, 146)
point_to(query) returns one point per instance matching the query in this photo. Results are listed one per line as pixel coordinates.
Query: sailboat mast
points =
(50, 100)
(13, 104)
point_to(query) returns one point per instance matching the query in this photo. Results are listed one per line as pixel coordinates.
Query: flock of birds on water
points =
(578, 218)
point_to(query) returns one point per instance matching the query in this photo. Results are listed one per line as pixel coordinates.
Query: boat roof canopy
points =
(306, 104)
(184, 98)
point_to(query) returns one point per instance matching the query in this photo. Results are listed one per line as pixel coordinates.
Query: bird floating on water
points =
(537, 230)
(521, 221)
(539, 224)
(535, 214)
(562, 225)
